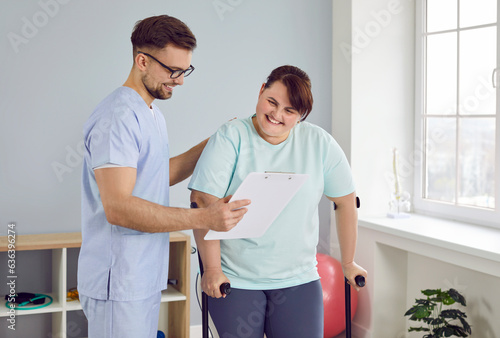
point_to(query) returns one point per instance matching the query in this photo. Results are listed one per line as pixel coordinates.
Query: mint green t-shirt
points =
(285, 255)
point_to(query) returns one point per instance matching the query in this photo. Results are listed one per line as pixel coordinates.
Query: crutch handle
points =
(360, 281)
(225, 288)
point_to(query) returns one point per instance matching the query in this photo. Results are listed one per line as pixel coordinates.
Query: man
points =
(123, 263)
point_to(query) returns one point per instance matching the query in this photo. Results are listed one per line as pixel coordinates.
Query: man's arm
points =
(346, 218)
(182, 166)
(122, 208)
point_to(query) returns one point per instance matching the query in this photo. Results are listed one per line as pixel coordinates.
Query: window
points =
(456, 110)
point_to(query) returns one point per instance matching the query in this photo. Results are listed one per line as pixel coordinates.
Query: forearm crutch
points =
(225, 288)
(360, 281)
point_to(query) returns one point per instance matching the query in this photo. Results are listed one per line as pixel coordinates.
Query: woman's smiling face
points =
(275, 116)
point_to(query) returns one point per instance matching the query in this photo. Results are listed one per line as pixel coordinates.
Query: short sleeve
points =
(215, 168)
(337, 172)
(114, 139)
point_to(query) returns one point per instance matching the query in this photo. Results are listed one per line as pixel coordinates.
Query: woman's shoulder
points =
(314, 131)
(236, 126)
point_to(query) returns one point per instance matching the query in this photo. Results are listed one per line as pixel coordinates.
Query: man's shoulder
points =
(121, 97)
(117, 106)
(120, 103)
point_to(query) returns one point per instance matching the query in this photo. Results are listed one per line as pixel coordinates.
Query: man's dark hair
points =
(158, 31)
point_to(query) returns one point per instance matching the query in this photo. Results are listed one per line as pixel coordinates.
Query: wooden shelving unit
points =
(174, 310)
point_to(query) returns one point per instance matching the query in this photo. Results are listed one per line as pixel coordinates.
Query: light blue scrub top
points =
(285, 255)
(118, 263)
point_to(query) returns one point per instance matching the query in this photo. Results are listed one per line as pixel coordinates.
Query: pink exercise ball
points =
(332, 283)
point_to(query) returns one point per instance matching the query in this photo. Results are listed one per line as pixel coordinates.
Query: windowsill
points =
(473, 240)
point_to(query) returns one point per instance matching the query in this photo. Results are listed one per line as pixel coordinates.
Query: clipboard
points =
(269, 193)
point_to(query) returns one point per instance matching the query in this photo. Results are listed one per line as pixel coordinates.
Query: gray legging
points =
(295, 312)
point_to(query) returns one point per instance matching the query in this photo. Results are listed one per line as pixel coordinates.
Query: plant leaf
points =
(434, 321)
(465, 325)
(411, 311)
(431, 292)
(414, 318)
(448, 300)
(425, 302)
(422, 312)
(444, 331)
(458, 331)
(418, 329)
(457, 296)
(417, 311)
(452, 313)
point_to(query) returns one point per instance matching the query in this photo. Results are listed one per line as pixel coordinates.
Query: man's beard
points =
(159, 92)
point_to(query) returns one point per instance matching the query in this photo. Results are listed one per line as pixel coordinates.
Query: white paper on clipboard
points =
(269, 193)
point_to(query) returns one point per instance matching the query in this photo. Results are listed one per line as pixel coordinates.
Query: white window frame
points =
(467, 214)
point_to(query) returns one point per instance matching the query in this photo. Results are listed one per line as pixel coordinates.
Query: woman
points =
(275, 284)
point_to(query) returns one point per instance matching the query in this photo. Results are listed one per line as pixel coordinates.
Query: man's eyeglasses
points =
(174, 73)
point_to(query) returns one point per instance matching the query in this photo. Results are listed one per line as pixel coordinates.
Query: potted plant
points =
(440, 322)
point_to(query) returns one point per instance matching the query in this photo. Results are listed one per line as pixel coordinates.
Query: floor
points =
(196, 333)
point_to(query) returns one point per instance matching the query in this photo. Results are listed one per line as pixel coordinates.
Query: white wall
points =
(373, 111)
(373, 94)
(373, 105)
(60, 58)
(382, 96)
(58, 62)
